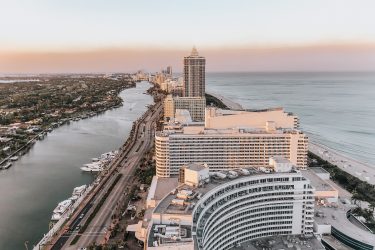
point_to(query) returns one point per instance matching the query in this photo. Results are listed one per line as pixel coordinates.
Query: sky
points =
(54, 36)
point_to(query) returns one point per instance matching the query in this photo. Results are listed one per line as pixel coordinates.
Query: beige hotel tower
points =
(194, 75)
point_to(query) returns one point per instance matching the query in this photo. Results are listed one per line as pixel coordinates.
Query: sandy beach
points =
(356, 168)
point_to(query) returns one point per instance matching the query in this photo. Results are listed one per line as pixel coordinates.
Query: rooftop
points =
(336, 216)
(319, 170)
(196, 166)
(200, 130)
(332, 241)
(170, 235)
(318, 183)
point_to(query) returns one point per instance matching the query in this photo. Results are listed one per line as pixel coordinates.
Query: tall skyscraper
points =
(194, 75)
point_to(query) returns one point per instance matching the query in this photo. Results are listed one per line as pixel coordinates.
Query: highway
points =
(122, 170)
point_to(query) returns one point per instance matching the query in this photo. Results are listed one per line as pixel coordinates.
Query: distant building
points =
(169, 70)
(195, 105)
(194, 75)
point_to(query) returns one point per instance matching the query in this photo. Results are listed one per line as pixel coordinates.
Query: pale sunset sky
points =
(54, 36)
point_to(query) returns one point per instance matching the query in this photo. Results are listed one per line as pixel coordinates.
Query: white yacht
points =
(14, 158)
(61, 209)
(6, 166)
(92, 168)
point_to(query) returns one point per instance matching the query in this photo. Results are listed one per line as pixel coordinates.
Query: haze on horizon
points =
(120, 36)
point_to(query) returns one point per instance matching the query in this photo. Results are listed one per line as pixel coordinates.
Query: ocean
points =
(335, 109)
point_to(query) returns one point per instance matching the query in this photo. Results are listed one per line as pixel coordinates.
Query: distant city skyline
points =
(112, 36)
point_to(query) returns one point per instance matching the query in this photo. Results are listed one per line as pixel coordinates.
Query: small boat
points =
(6, 166)
(60, 210)
(14, 158)
(92, 169)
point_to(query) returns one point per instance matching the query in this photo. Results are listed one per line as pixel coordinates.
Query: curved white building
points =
(225, 212)
(253, 207)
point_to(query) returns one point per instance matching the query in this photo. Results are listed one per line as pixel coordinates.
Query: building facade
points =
(194, 75)
(227, 149)
(254, 207)
(195, 105)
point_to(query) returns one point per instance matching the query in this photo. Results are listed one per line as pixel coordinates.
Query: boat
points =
(14, 158)
(79, 190)
(92, 169)
(98, 164)
(61, 209)
(65, 205)
(6, 166)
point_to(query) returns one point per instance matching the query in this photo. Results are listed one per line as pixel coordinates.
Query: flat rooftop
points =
(184, 235)
(332, 241)
(336, 216)
(164, 186)
(201, 130)
(318, 183)
(319, 170)
(195, 166)
(282, 242)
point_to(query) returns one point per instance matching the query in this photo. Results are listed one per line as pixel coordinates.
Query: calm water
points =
(33, 186)
(336, 109)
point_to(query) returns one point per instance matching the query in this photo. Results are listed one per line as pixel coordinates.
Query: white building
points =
(226, 149)
(222, 211)
(277, 117)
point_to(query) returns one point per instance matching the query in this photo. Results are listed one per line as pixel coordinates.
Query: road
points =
(127, 163)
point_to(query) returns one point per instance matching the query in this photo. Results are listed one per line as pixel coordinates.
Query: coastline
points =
(351, 166)
(19, 152)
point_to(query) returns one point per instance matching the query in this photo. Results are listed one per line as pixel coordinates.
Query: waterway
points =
(47, 174)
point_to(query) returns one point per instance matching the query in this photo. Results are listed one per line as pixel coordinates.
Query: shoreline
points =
(351, 166)
(19, 152)
(358, 169)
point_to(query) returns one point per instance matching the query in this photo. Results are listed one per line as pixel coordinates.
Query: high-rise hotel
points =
(194, 100)
(194, 75)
